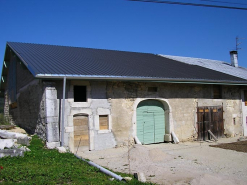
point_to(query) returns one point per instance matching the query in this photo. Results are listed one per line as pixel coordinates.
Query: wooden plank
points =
(103, 122)
(81, 133)
(212, 135)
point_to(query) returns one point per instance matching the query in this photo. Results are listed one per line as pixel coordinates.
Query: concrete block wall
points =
(97, 104)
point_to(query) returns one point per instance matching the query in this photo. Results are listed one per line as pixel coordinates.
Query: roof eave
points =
(133, 78)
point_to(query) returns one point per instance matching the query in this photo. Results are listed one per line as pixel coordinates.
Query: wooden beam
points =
(209, 131)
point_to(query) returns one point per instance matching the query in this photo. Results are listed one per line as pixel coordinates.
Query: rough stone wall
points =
(28, 94)
(183, 100)
(23, 75)
(119, 101)
(29, 104)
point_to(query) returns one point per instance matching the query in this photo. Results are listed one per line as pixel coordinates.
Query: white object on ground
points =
(61, 149)
(175, 139)
(137, 140)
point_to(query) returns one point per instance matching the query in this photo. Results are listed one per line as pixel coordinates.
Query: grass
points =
(3, 120)
(43, 166)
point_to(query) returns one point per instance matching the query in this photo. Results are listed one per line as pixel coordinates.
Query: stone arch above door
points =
(168, 116)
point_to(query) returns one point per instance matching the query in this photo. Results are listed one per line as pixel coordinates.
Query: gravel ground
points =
(194, 163)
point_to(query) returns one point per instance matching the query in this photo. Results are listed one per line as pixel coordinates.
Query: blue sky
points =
(125, 25)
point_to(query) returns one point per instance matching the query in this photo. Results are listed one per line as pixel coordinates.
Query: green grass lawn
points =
(43, 166)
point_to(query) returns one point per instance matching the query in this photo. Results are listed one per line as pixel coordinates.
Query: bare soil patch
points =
(240, 146)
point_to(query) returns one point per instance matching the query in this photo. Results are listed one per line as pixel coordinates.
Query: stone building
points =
(92, 99)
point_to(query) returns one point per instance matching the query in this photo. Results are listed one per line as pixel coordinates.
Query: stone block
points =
(103, 111)
(52, 145)
(51, 108)
(51, 93)
(23, 141)
(61, 150)
(140, 176)
(69, 129)
(168, 138)
(11, 152)
(51, 119)
(6, 143)
(52, 132)
(11, 135)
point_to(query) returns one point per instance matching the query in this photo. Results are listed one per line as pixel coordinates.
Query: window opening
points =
(217, 92)
(80, 94)
(103, 122)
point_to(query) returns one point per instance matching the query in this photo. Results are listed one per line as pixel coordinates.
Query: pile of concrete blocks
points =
(11, 143)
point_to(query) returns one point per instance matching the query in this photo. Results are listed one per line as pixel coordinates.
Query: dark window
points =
(217, 92)
(152, 89)
(80, 93)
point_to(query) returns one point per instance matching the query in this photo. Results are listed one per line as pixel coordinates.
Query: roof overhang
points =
(141, 79)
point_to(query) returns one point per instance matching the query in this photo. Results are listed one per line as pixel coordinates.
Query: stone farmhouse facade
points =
(91, 99)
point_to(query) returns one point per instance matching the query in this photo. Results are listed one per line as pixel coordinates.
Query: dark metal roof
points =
(56, 61)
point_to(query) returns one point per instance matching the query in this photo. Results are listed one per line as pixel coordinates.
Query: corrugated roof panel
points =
(212, 64)
(56, 60)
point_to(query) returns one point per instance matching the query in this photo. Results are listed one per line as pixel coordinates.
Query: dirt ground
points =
(194, 163)
(240, 146)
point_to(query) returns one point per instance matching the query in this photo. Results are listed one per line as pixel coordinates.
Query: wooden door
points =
(81, 136)
(150, 122)
(210, 118)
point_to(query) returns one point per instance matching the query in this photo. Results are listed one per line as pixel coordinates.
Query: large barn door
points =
(210, 118)
(150, 122)
(81, 137)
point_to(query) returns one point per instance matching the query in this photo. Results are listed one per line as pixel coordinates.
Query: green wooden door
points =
(150, 118)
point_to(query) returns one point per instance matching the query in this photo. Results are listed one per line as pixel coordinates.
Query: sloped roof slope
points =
(215, 65)
(74, 62)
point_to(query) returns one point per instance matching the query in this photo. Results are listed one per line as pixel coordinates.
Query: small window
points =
(80, 93)
(245, 98)
(152, 89)
(217, 92)
(103, 122)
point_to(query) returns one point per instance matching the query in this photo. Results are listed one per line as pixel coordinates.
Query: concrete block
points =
(127, 178)
(11, 135)
(7, 135)
(51, 108)
(6, 143)
(51, 119)
(52, 132)
(69, 129)
(168, 137)
(103, 111)
(23, 141)
(52, 145)
(61, 150)
(11, 152)
(140, 176)
(51, 93)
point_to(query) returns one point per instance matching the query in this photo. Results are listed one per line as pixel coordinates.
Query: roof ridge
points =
(9, 42)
